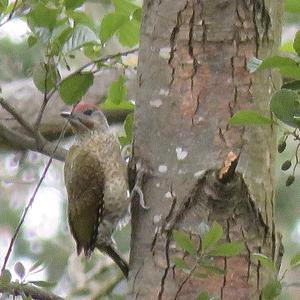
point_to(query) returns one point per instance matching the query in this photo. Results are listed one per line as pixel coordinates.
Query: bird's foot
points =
(141, 171)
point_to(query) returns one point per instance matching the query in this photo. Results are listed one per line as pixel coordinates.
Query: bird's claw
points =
(140, 193)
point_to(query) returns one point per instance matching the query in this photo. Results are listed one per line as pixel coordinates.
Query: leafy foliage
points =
(184, 242)
(74, 87)
(285, 103)
(249, 117)
(128, 128)
(124, 22)
(202, 264)
(62, 31)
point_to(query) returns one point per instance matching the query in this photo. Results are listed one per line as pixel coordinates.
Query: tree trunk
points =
(192, 77)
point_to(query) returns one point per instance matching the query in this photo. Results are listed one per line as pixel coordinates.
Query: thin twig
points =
(11, 13)
(107, 289)
(9, 250)
(26, 142)
(19, 119)
(13, 10)
(91, 63)
(45, 100)
(105, 58)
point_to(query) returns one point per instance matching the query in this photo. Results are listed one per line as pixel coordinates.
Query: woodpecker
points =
(96, 181)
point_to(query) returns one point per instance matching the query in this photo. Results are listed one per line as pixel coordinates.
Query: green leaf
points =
(3, 5)
(72, 4)
(19, 269)
(286, 107)
(199, 275)
(287, 66)
(92, 51)
(264, 260)
(202, 296)
(117, 91)
(81, 18)
(271, 290)
(125, 7)
(213, 269)
(212, 236)
(137, 15)
(123, 105)
(82, 292)
(110, 24)
(43, 284)
(277, 62)
(75, 86)
(41, 72)
(249, 117)
(82, 35)
(292, 85)
(181, 264)
(296, 44)
(290, 72)
(5, 277)
(129, 33)
(128, 126)
(287, 47)
(42, 16)
(35, 266)
(184, 242)
(31, 41)
(292, 6)
(227, 249)
(295, 260)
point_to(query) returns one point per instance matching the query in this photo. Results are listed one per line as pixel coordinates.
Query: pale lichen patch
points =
(162, 168)
(199, 173)
(164, 92)
(168, 195)
(181, 154)
(156, 219)
(165, 52)
(156, 103)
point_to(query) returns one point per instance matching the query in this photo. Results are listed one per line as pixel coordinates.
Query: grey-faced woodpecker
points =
(96, 180)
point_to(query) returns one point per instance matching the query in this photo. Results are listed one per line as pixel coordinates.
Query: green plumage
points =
(96, 182)
(85, 185)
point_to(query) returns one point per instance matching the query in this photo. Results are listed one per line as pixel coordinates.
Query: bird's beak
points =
(66, 114)
(78, 120)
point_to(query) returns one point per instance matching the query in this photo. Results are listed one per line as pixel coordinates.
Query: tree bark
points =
(192, 76)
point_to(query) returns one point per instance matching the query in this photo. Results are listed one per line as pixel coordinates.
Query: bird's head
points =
(86, 117)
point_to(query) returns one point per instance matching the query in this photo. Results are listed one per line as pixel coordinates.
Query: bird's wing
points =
(84, 180)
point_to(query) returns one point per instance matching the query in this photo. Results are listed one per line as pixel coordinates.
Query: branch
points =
(105, 58)
(110, 285)
(37, 143)
(11, 14)
(91, 63)
(27, 142)
(17, 289)
(18, 117)
(10, 247)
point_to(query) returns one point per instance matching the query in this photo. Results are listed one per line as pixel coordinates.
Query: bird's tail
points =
(116, 257)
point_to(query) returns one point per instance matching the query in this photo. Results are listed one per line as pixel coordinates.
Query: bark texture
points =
(192, 77)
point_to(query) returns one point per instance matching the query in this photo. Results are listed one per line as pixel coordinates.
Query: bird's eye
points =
(88, 112)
